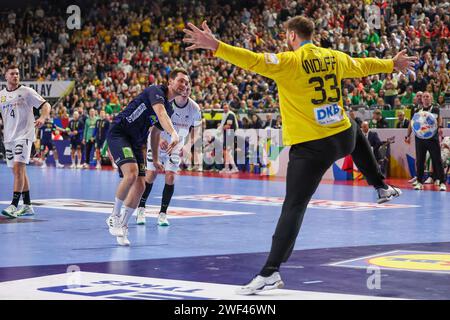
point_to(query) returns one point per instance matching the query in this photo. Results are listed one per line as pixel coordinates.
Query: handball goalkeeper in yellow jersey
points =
(314, 123)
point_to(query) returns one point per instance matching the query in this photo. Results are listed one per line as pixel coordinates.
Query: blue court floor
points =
(220, 233)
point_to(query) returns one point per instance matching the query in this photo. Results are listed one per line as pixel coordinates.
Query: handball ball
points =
(424, 125)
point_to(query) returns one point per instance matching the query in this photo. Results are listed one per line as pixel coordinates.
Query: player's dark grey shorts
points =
(99, 143)
(124, 150)
(47, 144)
(75, 143)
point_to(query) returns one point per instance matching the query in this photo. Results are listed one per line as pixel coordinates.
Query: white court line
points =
(102, 286)
(94, 206)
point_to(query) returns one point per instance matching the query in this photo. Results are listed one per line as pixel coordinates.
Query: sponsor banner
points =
(106, 207)
(47, 89)
(79, 285)
(63, 148)
(402, 260)
(278, 201)
(229, 198)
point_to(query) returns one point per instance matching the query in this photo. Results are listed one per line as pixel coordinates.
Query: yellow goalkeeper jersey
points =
(309, 85)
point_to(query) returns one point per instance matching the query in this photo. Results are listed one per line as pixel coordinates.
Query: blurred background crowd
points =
(124, 46)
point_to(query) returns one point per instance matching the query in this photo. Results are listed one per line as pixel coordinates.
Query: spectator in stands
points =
(246, 123)
(115, 53)
(402, 84)
(371, 97)
(378, 121)
(397, 104)
(353, 116)
(257, 122)
(228, 126)
(408, 98)
(63, 118)
(436, 92)
(420, 84)
(381, 101)
(402, 123)
(377, 84)
(278, 123)
(390, 90)
(355, 97)
(270, 122)
(417, 103)
(373, 138)
(441, 101)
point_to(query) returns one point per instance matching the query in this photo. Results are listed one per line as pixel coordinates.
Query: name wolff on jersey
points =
(319, 65)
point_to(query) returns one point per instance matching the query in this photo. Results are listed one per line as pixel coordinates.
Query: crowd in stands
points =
(124, 46)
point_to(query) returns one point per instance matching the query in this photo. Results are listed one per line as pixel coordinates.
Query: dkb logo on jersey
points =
(328, 114)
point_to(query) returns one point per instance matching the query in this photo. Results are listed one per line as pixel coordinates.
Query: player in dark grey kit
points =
(430, 145)
(127, 138)
(47, 146)
(100, 134)
(75, 130)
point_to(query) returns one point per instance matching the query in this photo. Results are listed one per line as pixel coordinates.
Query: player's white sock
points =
(127, 212)
(117, 206)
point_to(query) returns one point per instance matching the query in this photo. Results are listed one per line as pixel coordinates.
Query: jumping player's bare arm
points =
(155, 137)
(167, 125)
